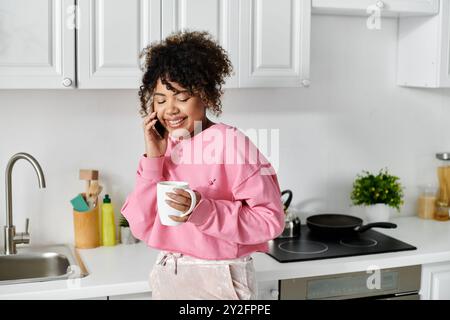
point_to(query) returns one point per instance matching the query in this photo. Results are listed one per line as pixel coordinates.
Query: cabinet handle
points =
(67, 82)
(274, 293)
(306, 82)
(380, 4)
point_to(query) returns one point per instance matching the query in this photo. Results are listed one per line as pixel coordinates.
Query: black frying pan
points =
(341, 225)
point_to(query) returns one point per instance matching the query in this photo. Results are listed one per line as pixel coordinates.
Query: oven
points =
(402, 283)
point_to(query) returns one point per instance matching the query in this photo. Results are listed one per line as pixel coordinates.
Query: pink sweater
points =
(240, 207)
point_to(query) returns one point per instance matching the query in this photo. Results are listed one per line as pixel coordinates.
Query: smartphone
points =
(158, 125)
(160, 128)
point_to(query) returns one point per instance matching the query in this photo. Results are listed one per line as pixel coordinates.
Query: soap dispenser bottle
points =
(108, 225)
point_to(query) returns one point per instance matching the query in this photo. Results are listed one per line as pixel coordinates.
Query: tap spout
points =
(8, 181)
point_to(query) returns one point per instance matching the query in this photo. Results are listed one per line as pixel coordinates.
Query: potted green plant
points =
(126, 236)
(378, 193)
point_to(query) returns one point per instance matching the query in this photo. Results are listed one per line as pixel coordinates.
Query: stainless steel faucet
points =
(11, 237)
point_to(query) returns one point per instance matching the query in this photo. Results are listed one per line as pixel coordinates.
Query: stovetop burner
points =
(309, 246)
(303, 246)
(358, 242)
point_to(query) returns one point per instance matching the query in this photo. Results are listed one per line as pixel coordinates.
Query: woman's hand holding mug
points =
(181, 200)
(175, 201)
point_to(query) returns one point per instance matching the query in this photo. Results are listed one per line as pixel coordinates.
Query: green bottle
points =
(108, 225)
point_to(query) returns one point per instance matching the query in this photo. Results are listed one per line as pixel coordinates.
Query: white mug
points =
(164, 210)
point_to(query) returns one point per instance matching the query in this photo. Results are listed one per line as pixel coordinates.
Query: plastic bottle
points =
(108, 225)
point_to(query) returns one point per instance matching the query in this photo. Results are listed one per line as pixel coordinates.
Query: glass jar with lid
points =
(426, 203)
(442, 211)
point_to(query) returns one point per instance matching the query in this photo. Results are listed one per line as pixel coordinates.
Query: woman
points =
(238, 204)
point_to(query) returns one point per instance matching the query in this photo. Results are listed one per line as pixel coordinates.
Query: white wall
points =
(353, 117)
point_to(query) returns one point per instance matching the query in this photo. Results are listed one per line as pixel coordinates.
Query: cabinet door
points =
(218, 17)
(37, 44)
(274, 42)
(110, 37)
(435, 283)
(440, 286)
(387, 7)
(443, 52)
(424, 50)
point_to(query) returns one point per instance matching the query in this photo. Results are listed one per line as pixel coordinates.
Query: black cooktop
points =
(309, 246)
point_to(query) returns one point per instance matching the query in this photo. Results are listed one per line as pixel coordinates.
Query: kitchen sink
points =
(41, 263)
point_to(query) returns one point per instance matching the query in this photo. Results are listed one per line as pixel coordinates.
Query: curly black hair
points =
(192, 59)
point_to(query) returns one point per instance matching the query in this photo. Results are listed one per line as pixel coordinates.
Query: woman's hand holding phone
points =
(155, 144)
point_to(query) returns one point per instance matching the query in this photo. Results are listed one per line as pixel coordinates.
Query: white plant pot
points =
(379, 212)
(126, 236)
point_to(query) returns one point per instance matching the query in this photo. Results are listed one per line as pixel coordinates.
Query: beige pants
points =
(177, 276)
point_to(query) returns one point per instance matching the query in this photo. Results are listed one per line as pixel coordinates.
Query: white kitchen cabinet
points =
(111, 35)
(96, 45)
(268, 290)
(388, 8)
(37, 44)
(435, 281)
(218, 17)
(274, 43)
(423, 50)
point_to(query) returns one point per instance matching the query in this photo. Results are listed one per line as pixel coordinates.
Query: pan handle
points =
(385, 225)
(289, 198)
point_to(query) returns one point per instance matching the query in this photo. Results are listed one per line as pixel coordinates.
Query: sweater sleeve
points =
(255, 216)
(140, 206)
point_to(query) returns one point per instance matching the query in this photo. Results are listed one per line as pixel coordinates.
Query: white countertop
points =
(124, 269)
